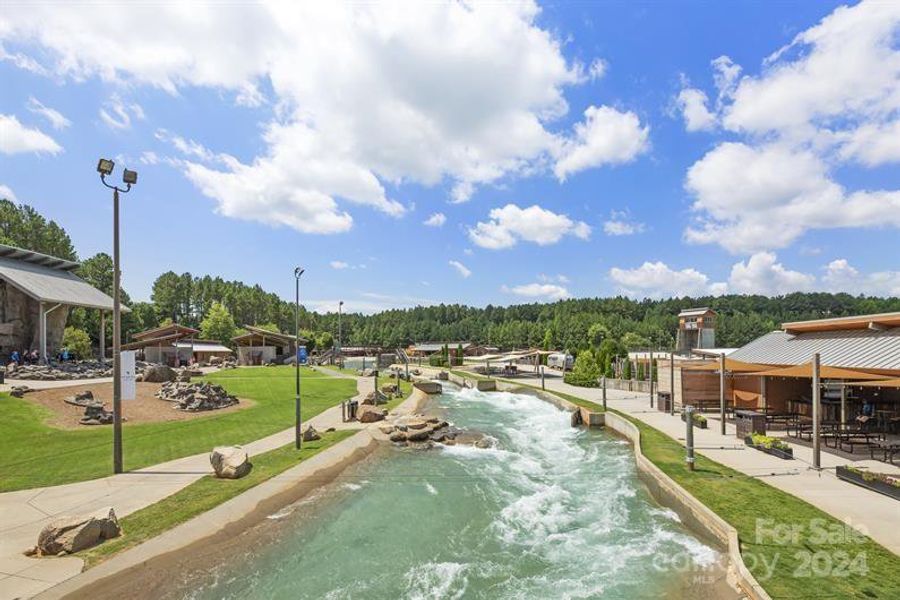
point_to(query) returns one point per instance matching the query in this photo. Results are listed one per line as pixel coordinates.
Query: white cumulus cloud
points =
(658, 280)
(457, 93)
(753, 198)
(460, 268)
(606, 137)
(693, 105)
(510, 224)
(57, 119)
(436, 220)
(16, 138)
(763, 274)
(338, 264)
(548, 291)
(621, 223)
(841, 276)
(827, 100)
(6, 193)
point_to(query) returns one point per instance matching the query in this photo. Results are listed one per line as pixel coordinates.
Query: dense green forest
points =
(573, 324)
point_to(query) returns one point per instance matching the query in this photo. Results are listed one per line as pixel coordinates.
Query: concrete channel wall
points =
(696, 515)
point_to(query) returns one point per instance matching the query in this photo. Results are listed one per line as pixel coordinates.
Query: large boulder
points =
(230, 462)
(159, 374)
(71, 534)
(443, 376)
(369, 414)
(215, 361)
(375, 398)
(310, 434)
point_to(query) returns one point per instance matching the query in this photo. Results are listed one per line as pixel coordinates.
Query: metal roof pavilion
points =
(868, 349)
(49, 279)
(51, 282)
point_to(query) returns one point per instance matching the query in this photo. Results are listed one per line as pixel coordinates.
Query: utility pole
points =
(105, 167)
(298, 272)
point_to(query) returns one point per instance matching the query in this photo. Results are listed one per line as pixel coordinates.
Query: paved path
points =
(24, 513)
(875, 514)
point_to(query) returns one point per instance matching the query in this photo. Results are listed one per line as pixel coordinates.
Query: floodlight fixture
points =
(129, 177)
(105, 166)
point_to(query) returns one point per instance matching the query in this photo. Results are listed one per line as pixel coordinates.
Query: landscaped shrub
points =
(875, 476)
(437, 360)
(769, 442)
(585, 372)
(78, 342)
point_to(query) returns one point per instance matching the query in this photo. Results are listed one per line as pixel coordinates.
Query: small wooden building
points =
(168, 344)
(260, 346)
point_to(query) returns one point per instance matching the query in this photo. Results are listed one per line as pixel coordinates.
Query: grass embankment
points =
(384, 378)
(33, 454)
(203, 495)
(805, 564)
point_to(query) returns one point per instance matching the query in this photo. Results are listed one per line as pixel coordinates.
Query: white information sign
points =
(129, 387)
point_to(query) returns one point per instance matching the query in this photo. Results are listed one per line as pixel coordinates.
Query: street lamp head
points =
(298, 272)
(129, 177)
(105, 166)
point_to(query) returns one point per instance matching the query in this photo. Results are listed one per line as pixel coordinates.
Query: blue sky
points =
(573, 149)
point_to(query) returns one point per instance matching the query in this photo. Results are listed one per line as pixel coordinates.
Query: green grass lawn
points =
(203, 495)
(33, 454)
(808, 565)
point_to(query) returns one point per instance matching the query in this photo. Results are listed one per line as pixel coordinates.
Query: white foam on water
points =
(436, 580)
(431, 489)
(352, 486)
(667, 513)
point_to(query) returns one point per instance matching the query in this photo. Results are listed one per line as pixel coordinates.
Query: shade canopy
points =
(734, 366)
(804, 371)
(890, 383)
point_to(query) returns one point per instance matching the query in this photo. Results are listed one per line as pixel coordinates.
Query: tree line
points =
(608, 326)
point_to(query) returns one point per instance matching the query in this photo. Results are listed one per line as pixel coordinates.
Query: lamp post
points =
(340, 345)
(105, 167)
(298, 272)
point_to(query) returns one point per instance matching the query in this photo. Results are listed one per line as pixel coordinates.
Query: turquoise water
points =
(549, 512)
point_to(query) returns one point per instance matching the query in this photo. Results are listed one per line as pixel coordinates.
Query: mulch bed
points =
(144, 409)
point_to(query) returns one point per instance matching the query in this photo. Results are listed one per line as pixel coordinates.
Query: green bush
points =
(585, 372)
(438, 360)
(573, 379)
(768, 442)
(78, 342)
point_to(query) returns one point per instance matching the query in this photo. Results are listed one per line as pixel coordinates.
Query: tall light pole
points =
(105, 167)
(340, 345)
(298, 272)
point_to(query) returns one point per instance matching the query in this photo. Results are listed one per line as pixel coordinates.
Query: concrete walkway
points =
(24, 513)
(874, 514)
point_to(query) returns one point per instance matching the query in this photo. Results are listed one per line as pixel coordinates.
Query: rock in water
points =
(576, 418)
(159, 374)
(310, 434)
(230, 462)
(71, 534)
(369, 414)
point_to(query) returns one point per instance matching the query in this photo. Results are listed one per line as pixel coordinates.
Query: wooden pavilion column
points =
(102, 335)
(722, 391)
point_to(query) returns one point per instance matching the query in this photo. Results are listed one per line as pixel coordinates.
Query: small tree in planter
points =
(626, 370)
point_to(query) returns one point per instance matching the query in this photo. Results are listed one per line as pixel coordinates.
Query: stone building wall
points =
(19, 322)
